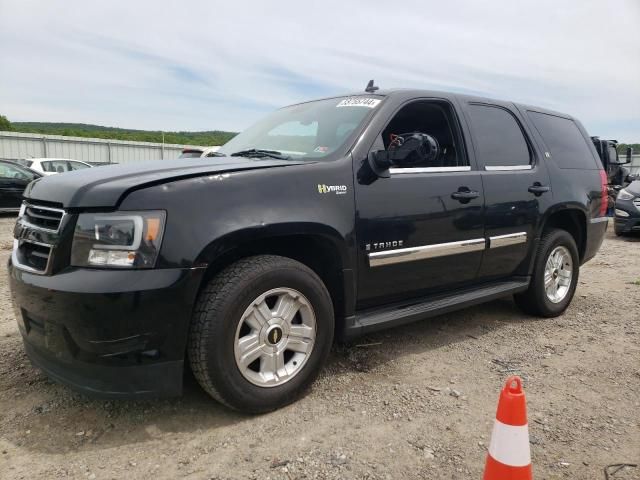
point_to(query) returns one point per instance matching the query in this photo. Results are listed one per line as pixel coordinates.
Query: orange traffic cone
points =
(509, 456)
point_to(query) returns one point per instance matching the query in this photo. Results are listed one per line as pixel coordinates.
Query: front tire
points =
(261, 331)
(555, 276)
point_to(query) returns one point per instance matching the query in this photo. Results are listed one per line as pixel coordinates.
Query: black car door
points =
(516, 186)
(420, 230)
(13, 181)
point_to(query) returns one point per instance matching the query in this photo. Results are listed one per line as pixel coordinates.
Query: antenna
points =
(371, 87)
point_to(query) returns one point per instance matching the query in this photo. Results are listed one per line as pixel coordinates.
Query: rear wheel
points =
(555, 276)
(261, 332)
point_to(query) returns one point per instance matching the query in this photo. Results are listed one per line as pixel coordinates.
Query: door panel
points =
(516, 187)
(511, 220)
(414, 238)
(11, 190)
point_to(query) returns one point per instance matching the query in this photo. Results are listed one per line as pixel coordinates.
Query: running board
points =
(371, 320)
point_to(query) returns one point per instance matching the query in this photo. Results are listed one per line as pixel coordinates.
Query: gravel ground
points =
(413, 402)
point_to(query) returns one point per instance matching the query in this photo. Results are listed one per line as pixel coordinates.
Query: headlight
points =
(117, 240)
(625, 195)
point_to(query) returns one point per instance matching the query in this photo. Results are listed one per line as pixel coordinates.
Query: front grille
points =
(33, 256)
(636, 202)
(37, 236)
(46, 218)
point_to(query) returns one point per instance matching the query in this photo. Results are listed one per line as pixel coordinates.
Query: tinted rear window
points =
(499, 138)
(565, 142)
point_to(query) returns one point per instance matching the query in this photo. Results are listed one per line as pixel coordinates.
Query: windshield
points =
(312, 130)
(25, 162)
(8, 170)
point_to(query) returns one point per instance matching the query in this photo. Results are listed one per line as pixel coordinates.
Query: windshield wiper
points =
(259, 153)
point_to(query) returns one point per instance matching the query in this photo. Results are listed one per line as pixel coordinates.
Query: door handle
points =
(538, 189)
(464, 195)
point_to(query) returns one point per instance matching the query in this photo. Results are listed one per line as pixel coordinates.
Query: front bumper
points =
(630, 223)
(627, 224)
(110, 333)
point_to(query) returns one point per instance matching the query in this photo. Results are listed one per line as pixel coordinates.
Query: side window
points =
(499, 138)
(565, 142)
(56, 166)
(434, 118)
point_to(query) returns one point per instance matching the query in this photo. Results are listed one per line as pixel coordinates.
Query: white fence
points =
(15, 145)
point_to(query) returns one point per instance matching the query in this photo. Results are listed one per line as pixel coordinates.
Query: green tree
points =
(5, 124)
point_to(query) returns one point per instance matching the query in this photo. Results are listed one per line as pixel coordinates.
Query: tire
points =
(536, 300)
(618, 232)
(232, 304)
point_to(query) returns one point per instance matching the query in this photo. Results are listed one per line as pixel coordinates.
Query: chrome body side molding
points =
(411, 254)
(507, 240)
(507, 168)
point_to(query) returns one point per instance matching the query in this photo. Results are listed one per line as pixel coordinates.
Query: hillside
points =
(97, 131)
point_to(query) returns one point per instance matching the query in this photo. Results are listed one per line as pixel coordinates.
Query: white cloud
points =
(203, 65)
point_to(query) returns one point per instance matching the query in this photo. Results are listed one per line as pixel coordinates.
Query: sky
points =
(207, 65)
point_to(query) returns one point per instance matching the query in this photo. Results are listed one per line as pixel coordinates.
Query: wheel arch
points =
(319, 247)
(574, 221)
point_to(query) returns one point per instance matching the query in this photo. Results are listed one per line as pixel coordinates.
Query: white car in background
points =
(49, 166)
(197, 152)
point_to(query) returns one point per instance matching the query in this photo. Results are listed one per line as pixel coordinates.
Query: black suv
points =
(330, 218)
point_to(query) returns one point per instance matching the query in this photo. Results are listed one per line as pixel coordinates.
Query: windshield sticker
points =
(359, 102)
(321, 149)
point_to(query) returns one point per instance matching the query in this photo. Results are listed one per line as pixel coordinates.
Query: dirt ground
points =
(413, 402)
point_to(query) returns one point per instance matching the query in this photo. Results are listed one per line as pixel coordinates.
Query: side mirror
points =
(407, 150)
(629, 155)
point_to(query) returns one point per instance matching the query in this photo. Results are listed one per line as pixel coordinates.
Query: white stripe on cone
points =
(510, 445)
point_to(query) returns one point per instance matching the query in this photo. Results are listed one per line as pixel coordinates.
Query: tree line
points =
(214, 137)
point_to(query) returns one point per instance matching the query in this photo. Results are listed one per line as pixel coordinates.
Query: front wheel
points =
(262, 329)
(555, 276)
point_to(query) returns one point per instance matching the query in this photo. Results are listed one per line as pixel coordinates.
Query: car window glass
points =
(57, 166)
(299, 136)
(11, 172)
(77, 165)
(498, 137)
(190, 154)
(322, 129)
(565, 142)
(434, 118)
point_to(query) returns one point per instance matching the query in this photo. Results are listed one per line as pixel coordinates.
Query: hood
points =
(105, 186)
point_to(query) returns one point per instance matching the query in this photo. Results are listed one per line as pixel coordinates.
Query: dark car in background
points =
(14, 179)
(627, 218)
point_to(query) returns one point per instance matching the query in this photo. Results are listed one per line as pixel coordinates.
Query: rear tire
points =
(555, 276)
(261, 331)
